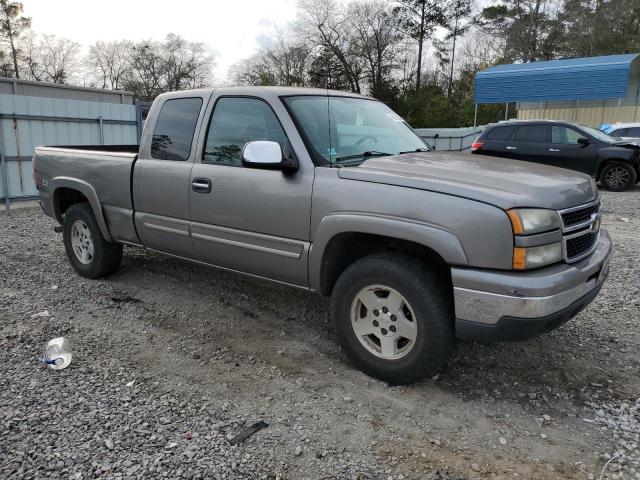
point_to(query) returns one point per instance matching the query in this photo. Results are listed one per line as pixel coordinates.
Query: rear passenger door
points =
(251, 220)
(162, 174)
(529, 143)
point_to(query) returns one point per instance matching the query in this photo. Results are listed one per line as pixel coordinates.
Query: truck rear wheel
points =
(394, 318)
(89, 253)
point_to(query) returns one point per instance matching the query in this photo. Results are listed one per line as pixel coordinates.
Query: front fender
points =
(89, 192)
(443, 242)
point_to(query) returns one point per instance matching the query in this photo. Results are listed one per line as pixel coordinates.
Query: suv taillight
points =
(476, 145)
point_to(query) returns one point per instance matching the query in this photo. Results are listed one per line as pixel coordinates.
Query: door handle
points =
(554, 149)
(201, 185)
(511, 148)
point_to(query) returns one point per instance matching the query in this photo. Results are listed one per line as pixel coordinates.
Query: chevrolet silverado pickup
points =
(334, 193)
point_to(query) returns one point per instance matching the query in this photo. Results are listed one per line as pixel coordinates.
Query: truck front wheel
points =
(89, 253)
(394, 317)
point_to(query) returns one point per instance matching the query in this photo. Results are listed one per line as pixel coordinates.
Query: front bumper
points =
(505, 306)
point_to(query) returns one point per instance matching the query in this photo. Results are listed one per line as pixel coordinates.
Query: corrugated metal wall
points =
(27, 122)
(586, 112)
(29, 88)
(590, 112)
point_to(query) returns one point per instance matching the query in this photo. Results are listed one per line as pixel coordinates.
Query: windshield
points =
(598, 134)
(344, 130)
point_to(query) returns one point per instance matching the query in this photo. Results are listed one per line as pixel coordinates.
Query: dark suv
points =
(615, 163)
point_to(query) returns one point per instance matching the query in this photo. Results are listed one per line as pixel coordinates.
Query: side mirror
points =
(583, 141)
(267, 155)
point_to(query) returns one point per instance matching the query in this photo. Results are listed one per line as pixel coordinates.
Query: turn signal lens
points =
(519, 258)
(533, 220)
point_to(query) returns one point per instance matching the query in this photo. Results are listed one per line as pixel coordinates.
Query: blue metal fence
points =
(27, 122)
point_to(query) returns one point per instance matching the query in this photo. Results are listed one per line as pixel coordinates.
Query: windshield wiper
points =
(368, 153)
(415, 151)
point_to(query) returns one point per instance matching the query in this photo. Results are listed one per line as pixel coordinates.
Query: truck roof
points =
(261, 91)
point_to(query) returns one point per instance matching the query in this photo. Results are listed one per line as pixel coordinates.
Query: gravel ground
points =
(171, 360)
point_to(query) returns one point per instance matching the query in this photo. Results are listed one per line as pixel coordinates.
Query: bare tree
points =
(324, 24)
(175, 64)
(48, 58)
(186, 64)
(375, 38)
(12, 24)
(144, 76)
(282, 61)
(109, 62)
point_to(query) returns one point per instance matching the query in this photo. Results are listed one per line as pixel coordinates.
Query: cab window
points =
(173, 132)
(236, 121)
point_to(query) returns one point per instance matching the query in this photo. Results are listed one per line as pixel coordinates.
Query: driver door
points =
(247, 219)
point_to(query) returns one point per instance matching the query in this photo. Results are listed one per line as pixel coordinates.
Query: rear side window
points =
(236, 121)
(532, 133)
(173, 133)
(633, 132)
(500, 133)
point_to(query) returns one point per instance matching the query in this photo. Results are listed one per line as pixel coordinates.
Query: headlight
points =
(534, 257)
(533, 220)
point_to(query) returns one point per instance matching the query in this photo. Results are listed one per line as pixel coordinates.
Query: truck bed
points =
(105, 169)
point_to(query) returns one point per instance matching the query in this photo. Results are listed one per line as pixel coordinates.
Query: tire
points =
(617, 176)
(426, 313)
(88, 252)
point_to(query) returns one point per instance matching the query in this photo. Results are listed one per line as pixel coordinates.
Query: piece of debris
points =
(125, 299)
(502, 440)
(130, 384)
(57, 354)
(624, 219)
(42, 314)
(298, 451)
(247, 432)
(54, 287)
(108, 443)
(347, 399)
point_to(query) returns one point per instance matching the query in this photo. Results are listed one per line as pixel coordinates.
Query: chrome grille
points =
(576, 247)
(572, 218)
(581, 228)
(577, 217)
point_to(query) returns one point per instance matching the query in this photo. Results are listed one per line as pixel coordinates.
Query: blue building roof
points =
(574, 79)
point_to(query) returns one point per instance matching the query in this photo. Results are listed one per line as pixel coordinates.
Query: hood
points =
(628, 142)
(497, 181)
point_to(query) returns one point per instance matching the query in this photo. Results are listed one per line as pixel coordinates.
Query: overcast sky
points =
(231, 29)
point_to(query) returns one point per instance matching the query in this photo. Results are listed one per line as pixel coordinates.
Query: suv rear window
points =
(500, 133)
(173, 133)
(532, 133)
